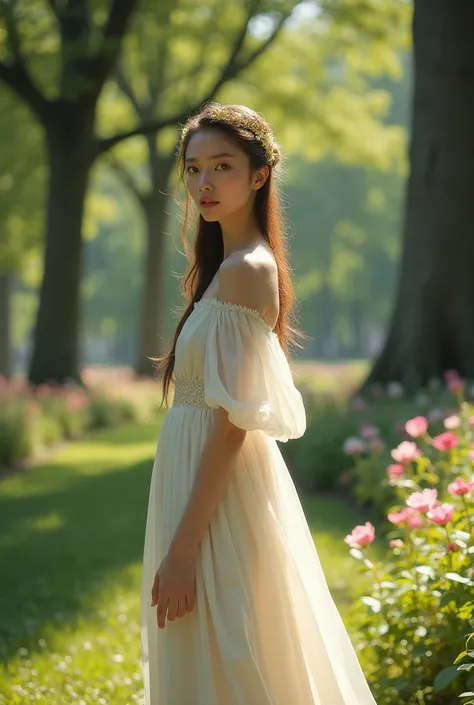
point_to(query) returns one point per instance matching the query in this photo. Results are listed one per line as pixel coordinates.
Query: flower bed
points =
(420, 611)
(32, 419)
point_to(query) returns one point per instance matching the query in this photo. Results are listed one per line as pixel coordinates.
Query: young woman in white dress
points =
(235, 608)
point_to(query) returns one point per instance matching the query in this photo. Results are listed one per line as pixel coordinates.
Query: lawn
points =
(71, 540)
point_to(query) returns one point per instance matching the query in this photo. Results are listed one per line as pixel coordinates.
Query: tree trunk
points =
(151, 340)
(6, 287)
(358, 328)
(432, 326)
(56, 336)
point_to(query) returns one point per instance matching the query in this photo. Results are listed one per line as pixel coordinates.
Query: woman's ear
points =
(260, 177)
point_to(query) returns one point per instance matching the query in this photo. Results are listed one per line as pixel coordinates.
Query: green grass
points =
(71, 541)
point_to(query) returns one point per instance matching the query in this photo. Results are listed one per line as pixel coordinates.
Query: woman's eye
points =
(225, 166)
(190, 168)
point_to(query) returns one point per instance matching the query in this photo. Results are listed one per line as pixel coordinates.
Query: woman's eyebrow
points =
(188, 160)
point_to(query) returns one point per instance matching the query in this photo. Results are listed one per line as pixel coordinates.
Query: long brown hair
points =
(208, 247)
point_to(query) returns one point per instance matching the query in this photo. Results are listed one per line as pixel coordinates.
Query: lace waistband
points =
(189, 391)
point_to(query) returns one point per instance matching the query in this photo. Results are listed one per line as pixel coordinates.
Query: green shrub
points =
(318, 461)
(421, 605)
(34, 418)
(16, 433)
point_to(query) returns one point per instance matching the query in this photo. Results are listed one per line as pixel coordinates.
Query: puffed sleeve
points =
(247, 373)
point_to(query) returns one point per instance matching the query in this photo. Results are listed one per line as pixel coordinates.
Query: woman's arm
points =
(251, 283)
(213, 474)
(174, 587)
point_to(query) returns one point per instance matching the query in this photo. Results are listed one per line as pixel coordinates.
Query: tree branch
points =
(103, 63)
(127, 179)
(253, 56)
(146, 128)
(127, 90)
(15, 74)
(227, 71)
(74, 19)
(230, 71)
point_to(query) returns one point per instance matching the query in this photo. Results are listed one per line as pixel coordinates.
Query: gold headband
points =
(242, 122)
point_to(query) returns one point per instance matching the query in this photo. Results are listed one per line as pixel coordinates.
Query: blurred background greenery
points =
(373, 103)
(91, 102)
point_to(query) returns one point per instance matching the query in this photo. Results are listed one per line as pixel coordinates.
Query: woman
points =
(240, 611)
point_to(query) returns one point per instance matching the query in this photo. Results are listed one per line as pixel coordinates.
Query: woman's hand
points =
(174, 589)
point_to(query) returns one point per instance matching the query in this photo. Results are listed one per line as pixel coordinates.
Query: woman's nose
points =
(204, 183)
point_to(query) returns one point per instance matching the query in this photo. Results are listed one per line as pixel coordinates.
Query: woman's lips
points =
(209, 204)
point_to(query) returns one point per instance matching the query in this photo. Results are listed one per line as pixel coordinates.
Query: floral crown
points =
(243, 122)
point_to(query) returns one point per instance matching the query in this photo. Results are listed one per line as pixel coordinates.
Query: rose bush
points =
(35, 418)
(421, 607)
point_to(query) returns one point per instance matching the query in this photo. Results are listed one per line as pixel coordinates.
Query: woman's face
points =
(218, 175)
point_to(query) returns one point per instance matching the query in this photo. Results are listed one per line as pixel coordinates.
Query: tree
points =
(21, 199)
(432, 325)
(86, 55)
(289, 83)
(89, 47)
(157, 71)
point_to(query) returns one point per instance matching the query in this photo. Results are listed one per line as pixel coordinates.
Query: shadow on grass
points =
(58, 546)
(67, 528)
(330, 519)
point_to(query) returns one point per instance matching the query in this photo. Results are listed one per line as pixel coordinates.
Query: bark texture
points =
(432, 326)
(56, 336)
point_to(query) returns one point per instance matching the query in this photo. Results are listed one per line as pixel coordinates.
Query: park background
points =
(372, 102)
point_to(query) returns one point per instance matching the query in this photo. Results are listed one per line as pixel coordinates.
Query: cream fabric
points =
(265, 629)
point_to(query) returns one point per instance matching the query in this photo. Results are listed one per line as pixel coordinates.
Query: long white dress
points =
(265, 629)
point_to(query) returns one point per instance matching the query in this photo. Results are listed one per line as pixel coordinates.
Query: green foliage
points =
(70, 598)
(345, 250)
(421, 602)
(22, 182)
(468, 666)
(33, 419)
(323, 84)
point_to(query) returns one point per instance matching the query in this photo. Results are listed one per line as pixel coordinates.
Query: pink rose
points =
(445, 441)
(452, 547)
(361, 535)
(368, 431)
(406, 452)
(471, 421)
(460, 487)
(354, 446)
(395, 471)
(452, 422)
(415, 521)
(441, 514)
(422, 501)
(416, 427)
(400, 517)
(396, 543)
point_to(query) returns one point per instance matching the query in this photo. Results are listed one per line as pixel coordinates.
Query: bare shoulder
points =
(250, 278)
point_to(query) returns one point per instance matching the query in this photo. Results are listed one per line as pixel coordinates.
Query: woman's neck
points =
(239, 233)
